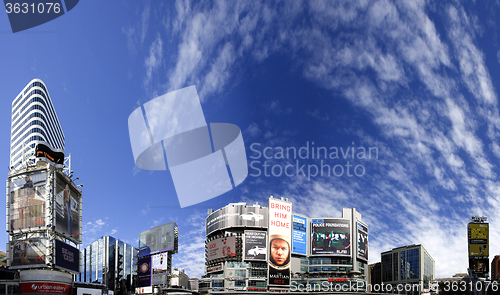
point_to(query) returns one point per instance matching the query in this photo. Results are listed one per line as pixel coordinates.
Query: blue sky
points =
(415, 81)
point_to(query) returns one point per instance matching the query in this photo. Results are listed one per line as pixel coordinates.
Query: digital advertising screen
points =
(255, 245)
(478, 234)
(299, 235)
(157, 239)
(362, 241)
(330, 236)
(27, 198)
(220, 248)
(68, 205)
(237, 215)
(28, 253)
(280, 241)
(479, 266)
(144, 271)
(67, 257)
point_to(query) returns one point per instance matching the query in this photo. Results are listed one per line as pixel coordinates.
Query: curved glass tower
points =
(34, 121)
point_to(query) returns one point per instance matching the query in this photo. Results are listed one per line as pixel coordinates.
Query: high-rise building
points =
(408, 266)
(111, 262)
(34, 122)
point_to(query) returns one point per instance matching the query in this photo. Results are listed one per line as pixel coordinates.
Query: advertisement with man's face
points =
(236, 216)
(28, 253)
(362, 241)
(67, 208)
(299, 235)
(280, 231)
(330, 236)
(221, 248)
(255, 245)
(27, 196)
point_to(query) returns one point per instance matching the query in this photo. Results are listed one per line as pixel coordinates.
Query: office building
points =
(34, 122)
(179, 279)
(111, 262)
(374, 275)
(246, 246)
(495, 268)
(408, 265)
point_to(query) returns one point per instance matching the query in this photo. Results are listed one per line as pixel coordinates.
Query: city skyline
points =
(389, 108)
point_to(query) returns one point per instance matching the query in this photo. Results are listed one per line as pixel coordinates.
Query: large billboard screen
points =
(220, 248)
(28, 253)
(362, 241)
(280, 240)
(68, 205)
(330, 236)
(299, 235)
(255, 245)
(27, 195)
(157, 239)
(67, 257)
(478, 234)
(144, 271)
(235, 216)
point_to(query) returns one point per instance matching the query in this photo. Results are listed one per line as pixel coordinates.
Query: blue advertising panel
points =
(144, 271)
(67, 257)
(299, 235)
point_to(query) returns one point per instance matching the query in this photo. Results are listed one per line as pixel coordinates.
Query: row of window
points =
(34, 122)
(51, 124)
(325, 261)
(29, 99)
(235, 264)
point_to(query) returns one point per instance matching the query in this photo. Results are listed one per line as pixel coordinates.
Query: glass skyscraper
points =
(111, 262)
(408, 265)
(34, 121)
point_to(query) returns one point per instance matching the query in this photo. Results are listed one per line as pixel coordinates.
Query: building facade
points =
(325, 253)
(408, 266)
(111, 262)
(495, 268)
(179, 279)
(34, 122)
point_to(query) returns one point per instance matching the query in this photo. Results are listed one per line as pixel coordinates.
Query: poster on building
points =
(280, 232)
(67, 257)
(362, 241)
(68, 204)
(255, 245)
(45, 288)
(160, 262)
(299, 235)
(28, 253)
(330, 236)
(144, 271)
(27, 197)
(221, 248)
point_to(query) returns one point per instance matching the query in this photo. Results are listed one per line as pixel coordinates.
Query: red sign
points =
(337, 280)
(44, 287)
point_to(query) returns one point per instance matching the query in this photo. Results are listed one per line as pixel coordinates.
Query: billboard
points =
(280, 232)
(330, 236)
(362, 241)
(157, 239)
(235, 216)
(45, 288)
(67, 257)
(159, 262)
(478, 234)
(28, 253)
(255, 245)
(479, 266)
(68, 204)
(220, 248)
(299, 235)
(27, 195)
(144, 271)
